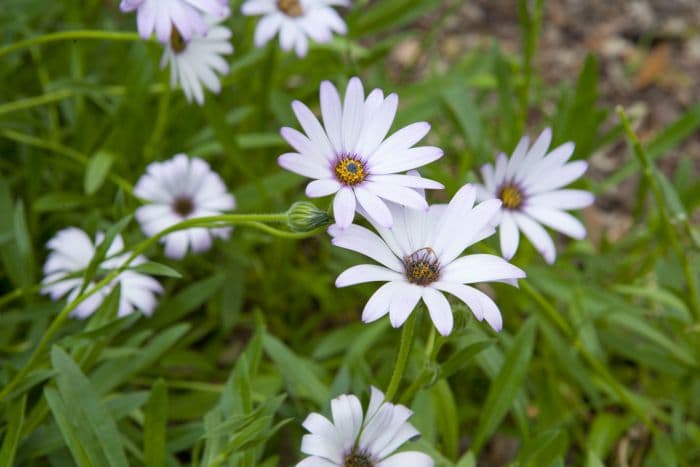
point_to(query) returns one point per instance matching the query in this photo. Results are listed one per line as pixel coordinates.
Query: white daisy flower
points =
(197, 61)
(178, 189)
(420, 259)
(529, 184)
(71, 252)
(350, 157)
(296, 21)
(166, 16)
(356, 440)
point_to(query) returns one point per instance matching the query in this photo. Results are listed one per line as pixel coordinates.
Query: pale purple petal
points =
(363, 273)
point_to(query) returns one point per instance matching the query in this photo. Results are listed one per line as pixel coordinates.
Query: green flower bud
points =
(304, 216)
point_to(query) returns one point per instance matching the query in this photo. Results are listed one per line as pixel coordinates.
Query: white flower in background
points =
(71, 252)
(420, 259)
(356, 440)
(350, 158)
(529, 184)
(197, 61)
(296, 21)
(178, 189)
(166, 16)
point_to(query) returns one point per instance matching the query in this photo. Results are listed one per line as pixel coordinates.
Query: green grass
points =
(600, 353)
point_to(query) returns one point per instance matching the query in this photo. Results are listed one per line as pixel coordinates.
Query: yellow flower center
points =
(177, 43)
(511, 196)
(422, 267)
(290, 7)
(350, 171)
(356, 459)
(183, 206)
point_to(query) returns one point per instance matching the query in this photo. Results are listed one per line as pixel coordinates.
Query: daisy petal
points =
(363, 273)
(537, 236)
(439, 309)
(403, 302)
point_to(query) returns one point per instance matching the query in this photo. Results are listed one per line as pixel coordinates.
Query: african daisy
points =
(529, 184)
(71, 253)
(296, 21)
(167, 16)
(197, 61)
(176, 190)
(354, 439)
(350, 157)
(420, 259)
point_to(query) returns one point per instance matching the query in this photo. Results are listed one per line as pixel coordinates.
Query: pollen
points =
(183, 206)
(290, 7)
(511, 196)
(356, 459)
(177, 42)
(350, 171)
(422, 267)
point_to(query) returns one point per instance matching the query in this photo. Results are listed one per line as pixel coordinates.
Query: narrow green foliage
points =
(155, 425)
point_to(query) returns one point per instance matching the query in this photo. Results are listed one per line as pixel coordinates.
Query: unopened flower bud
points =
(304, 216)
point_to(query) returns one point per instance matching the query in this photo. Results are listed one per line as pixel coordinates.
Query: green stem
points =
(253, 220)
(36, 101)
(648, 169)
(69, 36)
(402, 359)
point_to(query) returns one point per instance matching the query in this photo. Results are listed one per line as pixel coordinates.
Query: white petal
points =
(176, 244)
(347, 418)
(407, 181)
(332, 114)
(303, 166)
(481, 304)
(403, 302)
(558, 220)
(267, 28)
(509, 235)
(515, 162)
(439, 309)
(366, 242)
(557, 178)
(480, 268)
(353, 107)
(320, 446)
(344, 207)
(313, 129)
(374, 206)
(405, 160)
(397, 194)
(378, 125)
(563, 199)
(378, 304)
(366, 273)
(316, 462)
(320, 188)
(537, 236)
(407, 458)
(401, 140)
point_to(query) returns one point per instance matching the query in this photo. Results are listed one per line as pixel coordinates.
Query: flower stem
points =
(67, 36)
(253, 220)
(402, 359)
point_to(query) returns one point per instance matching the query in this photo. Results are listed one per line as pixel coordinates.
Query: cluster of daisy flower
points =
(195, 40)
(379, 207)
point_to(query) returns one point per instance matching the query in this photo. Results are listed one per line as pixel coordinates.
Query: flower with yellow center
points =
(354, 438)
(351, 156)
(296, 21)
(530, 184)
(420, 258)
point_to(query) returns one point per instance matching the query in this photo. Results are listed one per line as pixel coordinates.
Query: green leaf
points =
(15, 421)
(155, 425)
(97, 170)
(297, 371)
(156, 269)
(460, 103)
(79, 394)
(506, 385)
(64, 419)
(447, 413)
(460, 359)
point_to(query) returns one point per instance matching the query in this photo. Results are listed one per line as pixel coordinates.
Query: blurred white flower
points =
(420, 259)
(356, 440)
(178, 189)
(296, 21)
(197, 61)
(350, 157)
(71, 252)
(166, 16)
(529, 184)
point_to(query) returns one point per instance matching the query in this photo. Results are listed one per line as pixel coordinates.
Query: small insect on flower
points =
(529, 185)
(164, 16)
(420, 259)
(351, 157)
(179, 189)
(297, 21)
(354, 439)
(71, 253)
(196, 61)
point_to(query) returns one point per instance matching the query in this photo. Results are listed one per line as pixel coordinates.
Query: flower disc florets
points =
(183, 206)
(422, 267)
(177, 42)
(350, 170)
(290, 7)
(358, 459)
(511, 195)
